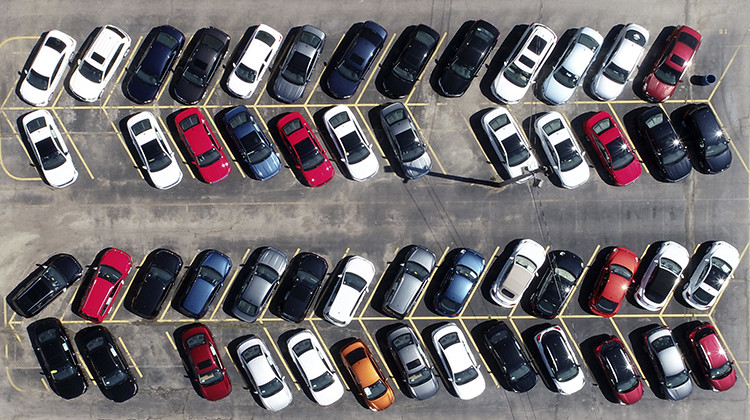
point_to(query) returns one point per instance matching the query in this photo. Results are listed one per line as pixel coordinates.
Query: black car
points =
(359, 56)
(155, 57)
(44, 284)
(399, 80)
(105, 362)
(57, 358)
(455, 77)
(202, 283)
(194, 75)
(152, 283)
(515, 365)
(706, 134)
(670, 153)
(556, 284)
(307, 275)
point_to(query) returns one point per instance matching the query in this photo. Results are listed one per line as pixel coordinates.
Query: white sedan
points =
(265, 376)
(562, 150)
(517, 273)
(40, 80)
(662, 276)
(258, 55)
(560, 361)
(570, 68)
(510, 144)
(316, 368)
(99, 63)
(458, 361)
(51, 152)
(153, 149)
(711, 276)
(355, 152)
(350, 289)
(620, 62)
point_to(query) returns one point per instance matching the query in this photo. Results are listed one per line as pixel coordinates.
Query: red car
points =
(715, 363)
(205, 151)
(620, 371)
(613, 149)
(668, 70)
(613, 282)
(106, 282)
(203, 363)
(309, 157)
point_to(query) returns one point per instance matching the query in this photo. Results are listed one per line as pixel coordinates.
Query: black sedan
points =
(193, 77)
(152, 283)
(44, 284)
(105, 362)
(706, 134)
(154, 60)
(202, 283)
(307, 275)
(556, 284)
(57, 358)
(359, 56)
(399, 80)
(670, 153)
(515, 365)
(455, 77)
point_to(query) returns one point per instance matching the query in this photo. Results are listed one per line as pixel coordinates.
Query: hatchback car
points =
(517, 272)
(258, 284)
(255, 148)
(202, 283)
(409, 282)
(620, 371)
(155, 58)
(711, 276)
(559, 360)
(105, 283)
(510, 144)
(460, 366)
(670, 153)
(298, 65)
(459, 282)
(613, 282)
(98, 63)
(157, 158)
(412, 363)
(716, 366)
(613, 148)
(257, 56)
(57, 358)
(192, 77)
(620, 62)
(307, 274)
(48, 281)
(705, 134)
(515, 365)
(660, 84)
(371, 384)
(203, 363)
(407, 68)
(356, 61)
(523, 64)
(661, 276)
(309, 156)
(39, 81)
(567, 74)
(674, 377)
(50, 151)
(152, 283)
(350, 289)
(407, 143)
(556, 284)
(455, 77)
(266, 380)
(562, 150)
(315, 368)
(354, 151)
(202, 145)
(106, 363)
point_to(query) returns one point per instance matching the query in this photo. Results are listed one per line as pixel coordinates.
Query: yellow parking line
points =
(217, 134)
(718, 298)
(632, 355)
(122, 71)
(372, 293)
(731, 143)
(721, 336)
(323, 344)
(428, 143)
(317, 82)
(408, 98)
(229, 355)
(726, 69)
(171, 340)
(484, 362)
(44, 382)
(260, 95)
(424, 290)
(130, 356)
(228, 286)
(122, 141)
(8, 97)
(372, 71)
(70, 140)
(479, 282)
(627, 137)
(57, 98)
(217, 81)
(7, 372)
(377, 349)
(283, 362)
(369, 130)
(580, 279)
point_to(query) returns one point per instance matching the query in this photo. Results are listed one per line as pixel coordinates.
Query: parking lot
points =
(466, 201)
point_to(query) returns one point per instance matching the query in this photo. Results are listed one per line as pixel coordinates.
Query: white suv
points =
(99, 63)
(618, 66)
(568, 72)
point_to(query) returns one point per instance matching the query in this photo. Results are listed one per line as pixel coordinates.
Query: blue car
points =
(202, 283)
(156, 56)
(353, 65)
(254, 147)
(459, 281)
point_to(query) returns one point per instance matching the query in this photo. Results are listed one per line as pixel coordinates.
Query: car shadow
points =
(219, 122)
(373, 115)
(30, 60)
(477, 333)
(273, 74)
(448, 52)
(638, 345)
(26, 142)
(682, 337)
(650, 253)
(588, 347)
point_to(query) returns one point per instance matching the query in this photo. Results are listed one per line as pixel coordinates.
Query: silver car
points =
(412, 277)
(413, 363)
(299, 63)
(259, 284)
(407, 143)
(669, 365)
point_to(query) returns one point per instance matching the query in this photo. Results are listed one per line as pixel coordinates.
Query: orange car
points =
(371, 384)
(614, 282)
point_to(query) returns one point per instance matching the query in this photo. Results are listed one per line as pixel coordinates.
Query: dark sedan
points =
(307, 275)
(258, 283)
(202, 283)
(57, 358)
(399, 80)
(106, 363)
(515, 365)
(157, 54)
(152, 283)
(359, 56)
(670, 153)
(459, 282)
(556, 284)
(44, 284)
(299, 63)
(706, 134)
(456, 76)
(193, 77)
(254, 146)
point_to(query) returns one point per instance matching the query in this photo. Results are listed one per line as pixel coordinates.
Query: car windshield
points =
(405, 71)
(416, 270)
(63, 372)
(463, 70)
(526, 263)
(307, 280)
(411, 148)
(156, 159)
(210, 378)
(247, 308)
(195, 340)
(616, 73)
(466, 376)
(245, 73)
(90, 72)
(605, 305)
(375, 391)
(115, 377)
(667, 74)
(720, 371)
(265, 38)
(350, 73)
(516, 150)
(198, 79)
(419, 377)
(621, 156)
(676, 380)
(49, 154)
(566, 78)
(308, 154)
(354, 281)
(556, 351)
(354, 149)
(146, 77)
(620, 271)
(321, 382)
(208, 157)
(209, 274)
(109, 273)
(569, 156)
(717, 148)
(256, 151)
(518, 77)
(37, 80)
(271, 388)
(212, 42)
(296, 69)
(448, 305)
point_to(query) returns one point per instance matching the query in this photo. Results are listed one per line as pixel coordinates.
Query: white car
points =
(351, 287)
(572, 65)
(662, 275)
(265, 376)
(458, 361)
(520, 69)
(517, 273)
(40, 80)
(50, 151)
(154, 152)
(99, 63)
(711, 276)
(562, 150)
(316, 368)
(248, 70)
(560, 361)
(510, 144)
(354, 150)
(620, 62)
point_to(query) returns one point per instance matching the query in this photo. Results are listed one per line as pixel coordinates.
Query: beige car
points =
(517, 273)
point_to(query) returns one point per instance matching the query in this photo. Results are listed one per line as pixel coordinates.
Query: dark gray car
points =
(299, 63)
(411, 279)
(259, 284)
(192, 79)
(413, 364)
(407, 143)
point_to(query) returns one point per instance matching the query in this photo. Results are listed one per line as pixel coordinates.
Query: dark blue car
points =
(202, 283)
(253, 145)
(157, 54)
(706, 135)
(353, 65)
(459, 281)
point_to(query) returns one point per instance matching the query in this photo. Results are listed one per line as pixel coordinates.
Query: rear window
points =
(55, 44)
(292, 126)
(189, 122)
(355, 356)
(688, 40)
(212, 42)
(635, 37)
(537, 44)
(500, 121)
(310, 39)
(265, 38)
(553, 126)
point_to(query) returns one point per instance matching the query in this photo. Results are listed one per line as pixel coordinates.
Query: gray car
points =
(299, 63)
(259, 284)
(669, 365)
(407, 143)
(412, 277)
(413, 364)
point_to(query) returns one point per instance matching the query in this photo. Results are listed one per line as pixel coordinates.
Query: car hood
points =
(575, 177)
(85, 89)
(628, 174)
(218, 262)
(186, 92)
(452, 84)
(418, 167)
(395, 87)
(63, 175)
(508, 92)
(681, 392)
(679, 170)
(657, 90)
(320, 175)
(267, 168)
(555, 93)
(286, 91)
(365, 169)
